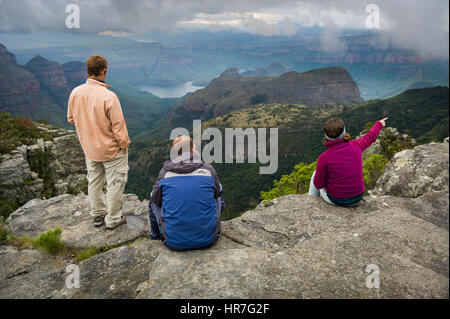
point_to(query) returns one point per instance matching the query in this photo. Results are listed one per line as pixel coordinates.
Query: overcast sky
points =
(416, 24)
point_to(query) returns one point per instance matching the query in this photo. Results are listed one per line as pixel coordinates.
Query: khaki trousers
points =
(115, 173)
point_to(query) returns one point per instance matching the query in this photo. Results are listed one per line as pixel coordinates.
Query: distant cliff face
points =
(19, 89)
(5, 56)
(40, 89)
(50, 75)
(75, 73)
(230, 92)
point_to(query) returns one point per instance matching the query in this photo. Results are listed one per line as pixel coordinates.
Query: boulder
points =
(417, 171)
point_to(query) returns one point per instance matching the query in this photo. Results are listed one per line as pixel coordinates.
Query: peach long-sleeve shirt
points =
(97, 115)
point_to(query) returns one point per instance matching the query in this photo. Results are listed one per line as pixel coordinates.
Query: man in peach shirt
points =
(97, 115)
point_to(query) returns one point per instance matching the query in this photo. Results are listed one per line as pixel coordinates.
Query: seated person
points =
(186, 201)
(338, 178)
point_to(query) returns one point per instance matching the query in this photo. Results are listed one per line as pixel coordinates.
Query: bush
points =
(258, 99)
(373, 168)
(391, 144)
(7, 207)
(295, 183)
(87, 253)
(50, 242)
(4, 235)
(17, 131)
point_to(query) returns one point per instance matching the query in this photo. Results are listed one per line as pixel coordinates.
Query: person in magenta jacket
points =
(338, 178)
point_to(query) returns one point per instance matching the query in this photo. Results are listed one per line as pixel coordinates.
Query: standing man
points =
(97, 115)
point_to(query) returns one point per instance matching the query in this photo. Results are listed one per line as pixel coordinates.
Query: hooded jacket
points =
(187, 192)
(339, 168)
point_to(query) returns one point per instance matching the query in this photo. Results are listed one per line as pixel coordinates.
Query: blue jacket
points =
(186, 193)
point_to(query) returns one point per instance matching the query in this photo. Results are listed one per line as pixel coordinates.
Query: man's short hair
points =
(96, 64)
(182, 143)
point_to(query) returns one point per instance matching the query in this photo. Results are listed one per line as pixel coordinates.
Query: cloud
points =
(417, 24)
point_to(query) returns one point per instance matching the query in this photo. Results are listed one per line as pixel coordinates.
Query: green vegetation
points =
(437, 133)
(295, 183)
(50, 242)
(373, 168)
(40, 163)
(258, 99)
(4, 234)
(16, 131)
(89, 252)
(81, 187)
(421, 113)
(7, 207)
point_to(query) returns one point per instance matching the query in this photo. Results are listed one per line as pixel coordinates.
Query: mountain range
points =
(380, 68)
(231, 91)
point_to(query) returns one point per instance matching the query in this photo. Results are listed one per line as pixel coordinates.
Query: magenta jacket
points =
(339, 168)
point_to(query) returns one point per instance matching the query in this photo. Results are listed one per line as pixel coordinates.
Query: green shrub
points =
(391, 144)
(4, 235)
(87, 253)
(7, 207)
(50, 242)
(295, 183)
(373, 168)
(15, 131)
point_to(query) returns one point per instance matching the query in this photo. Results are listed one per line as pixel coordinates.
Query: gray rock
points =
(115, 274)
(301, 247)
(29, 274)
(71, 214)
(412, 173)
(19, 180)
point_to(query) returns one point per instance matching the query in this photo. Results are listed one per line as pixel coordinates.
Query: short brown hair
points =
(334, 127)
(183, 142)
(96, 64)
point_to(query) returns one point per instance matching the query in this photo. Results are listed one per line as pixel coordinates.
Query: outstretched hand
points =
(383, 121)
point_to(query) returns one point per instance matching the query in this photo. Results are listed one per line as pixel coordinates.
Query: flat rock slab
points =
(29, 274)
(301, 247)
(114, 274)
(71, 214)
